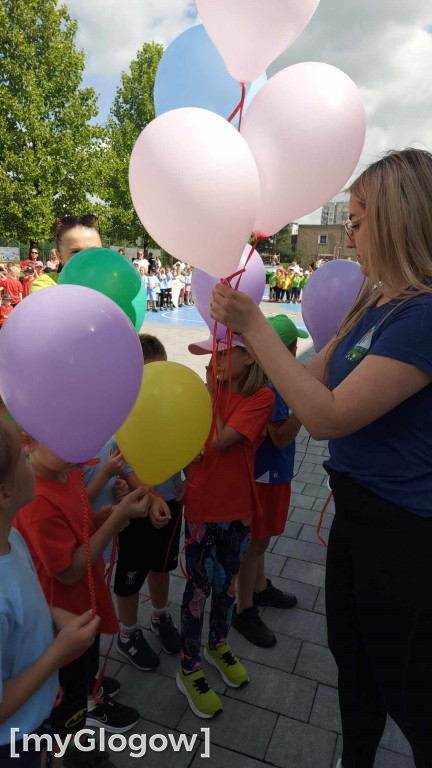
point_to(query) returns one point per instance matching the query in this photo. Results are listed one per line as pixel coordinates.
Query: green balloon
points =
(108, 272)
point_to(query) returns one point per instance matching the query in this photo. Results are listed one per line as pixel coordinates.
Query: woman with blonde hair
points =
(369, 392)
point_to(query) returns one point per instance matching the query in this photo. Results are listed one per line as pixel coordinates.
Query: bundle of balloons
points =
(81, 377)
(211, 168)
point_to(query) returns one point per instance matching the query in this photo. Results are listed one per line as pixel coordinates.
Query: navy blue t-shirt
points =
(392, 456)
(275, 465)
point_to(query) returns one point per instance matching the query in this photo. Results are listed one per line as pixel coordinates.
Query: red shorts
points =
(275, 501)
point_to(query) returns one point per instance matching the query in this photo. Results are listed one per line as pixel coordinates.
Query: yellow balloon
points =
(168, 424)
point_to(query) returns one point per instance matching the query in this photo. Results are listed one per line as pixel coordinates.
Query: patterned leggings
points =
(212, 562)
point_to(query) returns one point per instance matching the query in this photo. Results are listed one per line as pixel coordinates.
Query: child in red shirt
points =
(11, 284)
(5, 309)
(29, 278)
(220, 502)
(52, 526)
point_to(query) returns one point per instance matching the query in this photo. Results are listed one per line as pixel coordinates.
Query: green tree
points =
(282, 242)
(47, 145)
(132, 110)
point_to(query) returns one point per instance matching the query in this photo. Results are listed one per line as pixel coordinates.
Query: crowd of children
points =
(168, 288)
(232, 507)
(235, 496)
(288, 283)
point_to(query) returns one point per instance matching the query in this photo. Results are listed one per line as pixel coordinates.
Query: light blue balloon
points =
(192, 73)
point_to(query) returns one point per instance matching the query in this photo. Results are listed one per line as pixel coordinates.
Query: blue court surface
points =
(189, 316)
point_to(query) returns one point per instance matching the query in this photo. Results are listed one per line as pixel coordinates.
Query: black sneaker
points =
(138, 651)
(274, 598)
(109, 688)
(251, 626)
(167, 632)
(114, 717)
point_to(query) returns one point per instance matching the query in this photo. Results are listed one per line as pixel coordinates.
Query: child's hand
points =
(76, 636)
(115, 464)
(160, 514)
(121, 489)
(136, 504)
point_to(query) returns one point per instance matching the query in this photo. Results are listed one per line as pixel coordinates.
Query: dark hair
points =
(151, 346)
(9, 450)
(72, 222)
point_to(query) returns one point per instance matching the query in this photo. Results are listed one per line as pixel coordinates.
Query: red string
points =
(108, 578)
(86, 512)
(322, 517)
(239, 107)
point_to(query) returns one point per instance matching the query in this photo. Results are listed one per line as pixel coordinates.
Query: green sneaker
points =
(202, 699)
(232, 670)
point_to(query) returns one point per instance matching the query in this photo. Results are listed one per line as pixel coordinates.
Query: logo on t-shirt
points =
(362, 347)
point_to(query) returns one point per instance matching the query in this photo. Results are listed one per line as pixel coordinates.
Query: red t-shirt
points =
(52, 526)
(221, 487)
(4, 313)
(26, 285)
(12, 287)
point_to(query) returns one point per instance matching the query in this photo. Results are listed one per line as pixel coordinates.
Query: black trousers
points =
(379, 615)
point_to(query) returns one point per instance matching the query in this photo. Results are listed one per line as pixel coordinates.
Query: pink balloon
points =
(195, 187)
(306, 129)
(250, 34)
(252, 283)
(328, 295)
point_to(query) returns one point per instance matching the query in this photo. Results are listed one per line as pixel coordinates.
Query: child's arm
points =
(114, 465)
(71, 641)
(134, 505)
(224, 435)
(159, 510)
(284, 432)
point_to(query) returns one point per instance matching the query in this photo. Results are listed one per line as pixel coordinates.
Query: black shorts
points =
(144, 548)
(76, 680)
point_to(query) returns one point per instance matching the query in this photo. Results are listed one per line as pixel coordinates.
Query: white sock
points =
(126, 632)
(157, 612)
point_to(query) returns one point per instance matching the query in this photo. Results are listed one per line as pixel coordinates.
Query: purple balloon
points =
(328, 295)
(252, 283)
(77, 379)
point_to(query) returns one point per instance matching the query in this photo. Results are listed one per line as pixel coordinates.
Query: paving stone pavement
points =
(288, 715)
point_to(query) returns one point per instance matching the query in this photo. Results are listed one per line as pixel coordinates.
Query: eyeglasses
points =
(350, 225)
(34, 251)
(88, 220)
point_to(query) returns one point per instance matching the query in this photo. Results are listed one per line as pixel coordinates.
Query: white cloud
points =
(112, 31)
(383, 45)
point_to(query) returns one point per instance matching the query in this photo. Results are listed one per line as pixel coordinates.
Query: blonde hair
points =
(253, 379)
(396, 194)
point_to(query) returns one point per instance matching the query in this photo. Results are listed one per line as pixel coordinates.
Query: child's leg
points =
(233, 539)
(260, 580)
(158, 586)
(251, 566)
(131, 573)
(200, 555)
(128, 609)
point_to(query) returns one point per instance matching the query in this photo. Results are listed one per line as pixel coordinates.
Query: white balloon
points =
(250, 34)
(195, 187)
(306, 129)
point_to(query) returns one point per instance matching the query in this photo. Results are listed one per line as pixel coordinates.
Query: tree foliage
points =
(47, 144)
(132, 110)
